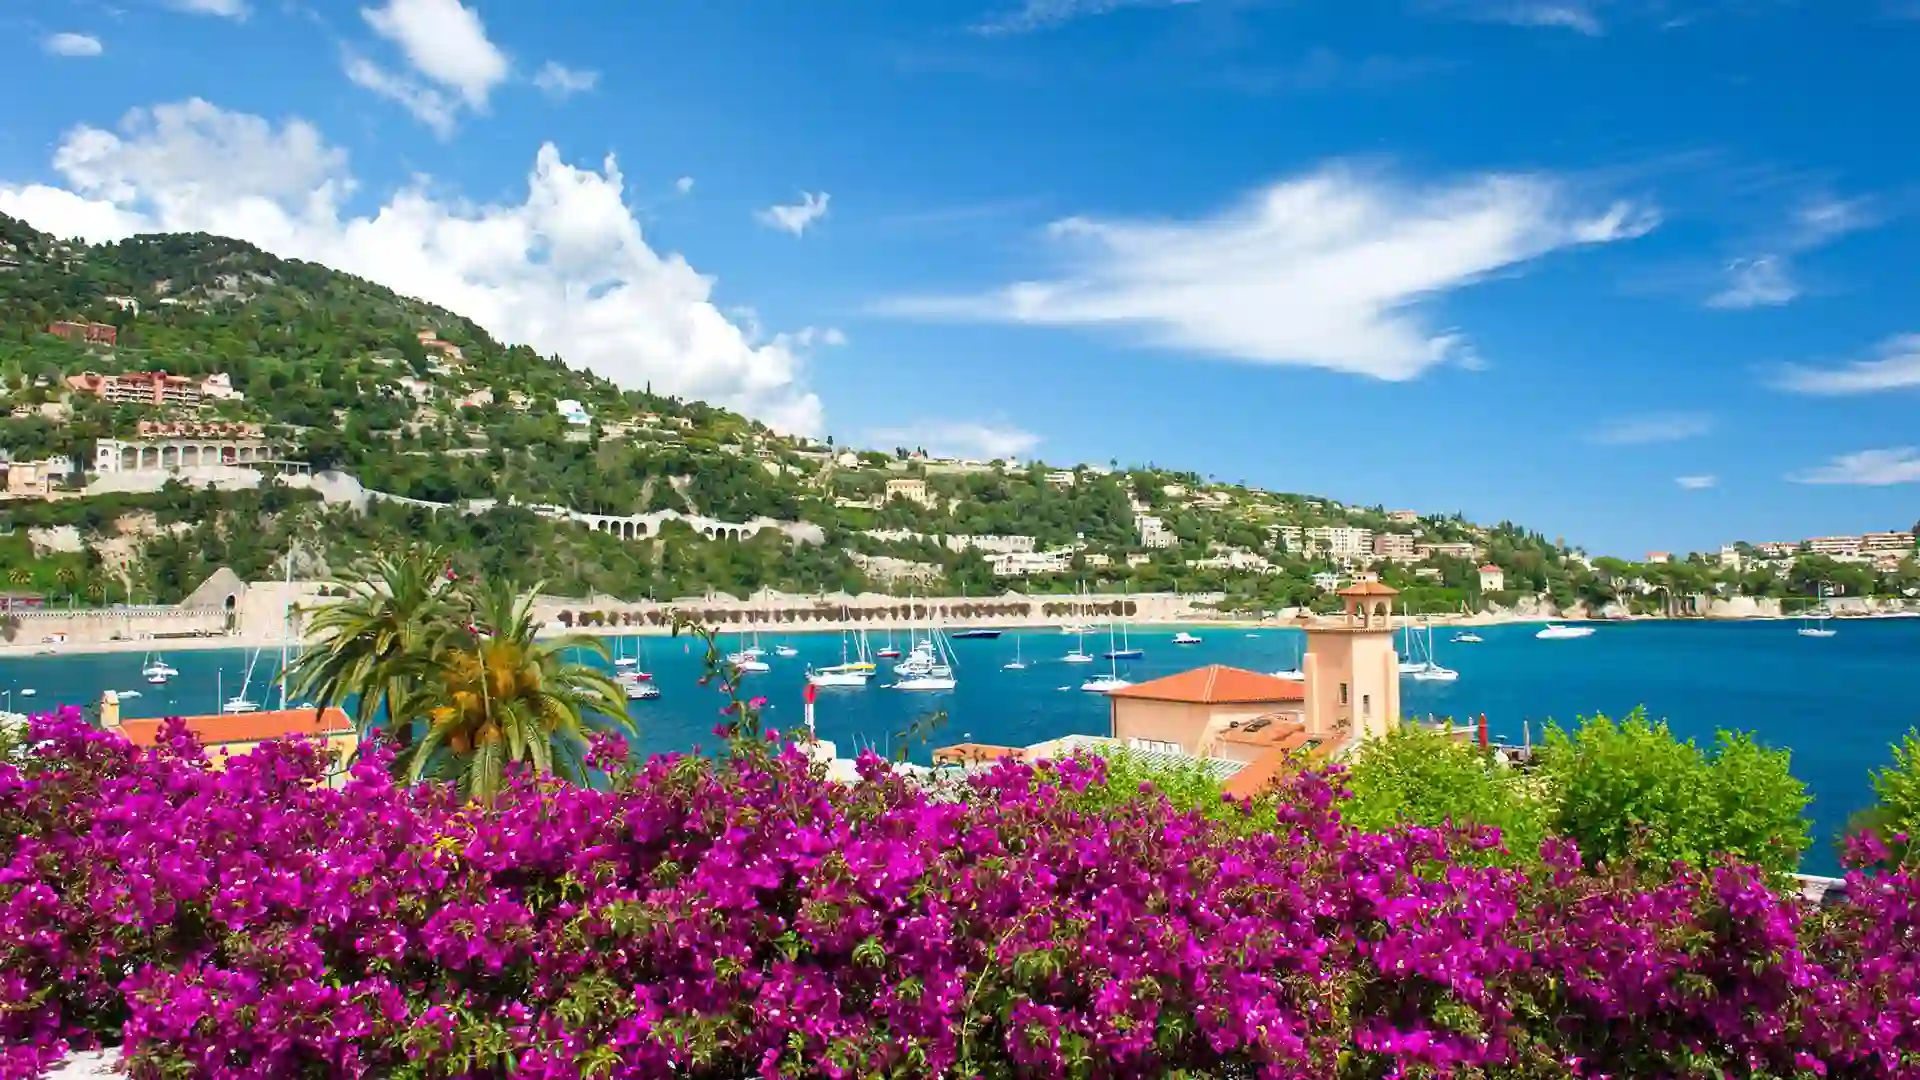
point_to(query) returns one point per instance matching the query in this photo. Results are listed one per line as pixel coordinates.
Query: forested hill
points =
(420, 402)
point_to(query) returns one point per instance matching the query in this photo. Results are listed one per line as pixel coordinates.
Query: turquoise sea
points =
(1836, 703)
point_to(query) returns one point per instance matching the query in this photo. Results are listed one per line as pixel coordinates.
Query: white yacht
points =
(1184, 638)
(785, 650)
(1411, 661)
(1433, 671)
(746, 662)
(640, 691)
(1814, 623)
(1555, 631)
(1111, 681)
(1467, 637)
(848, 672)
(929, 666)
(157, 671)
(1016, 664)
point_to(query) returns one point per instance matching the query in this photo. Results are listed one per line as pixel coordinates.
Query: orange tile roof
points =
(1216, 684)
(219, 730)
(1488, 567)
(1272, 765)
(975, 753)
(1369, 588)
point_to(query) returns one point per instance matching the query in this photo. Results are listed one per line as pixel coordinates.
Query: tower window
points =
(1343, 693)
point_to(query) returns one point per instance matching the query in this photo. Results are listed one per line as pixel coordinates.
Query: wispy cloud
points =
(560, 82)
(796, 218)
(1580, 16)
(958, 438)
(453, 64)
(1697, 482)
(1769, 279)
(1034, 15)
(225, 9)
(68, 44)
(1866, 468)
(684, 185)
(1653, 428)
(1334, 269)
(1895, 366)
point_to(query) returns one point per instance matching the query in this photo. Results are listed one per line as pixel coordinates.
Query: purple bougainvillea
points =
(754, 919)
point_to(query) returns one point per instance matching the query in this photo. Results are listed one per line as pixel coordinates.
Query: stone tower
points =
(1352, 669)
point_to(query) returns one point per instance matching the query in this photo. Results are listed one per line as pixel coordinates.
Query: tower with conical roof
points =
(1352, 670)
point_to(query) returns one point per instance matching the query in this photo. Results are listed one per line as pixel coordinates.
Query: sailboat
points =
(936, 673)
(1433, 672)
(783, 649)
(748, 656)
(156, 670)
(1294, 673)
(1079, 624)
(1815, 624)
(847, 672)
(240, 703)
(890, 652)
(1126, 651)
(1108, 683)
(1016, 664)
(1410, 661)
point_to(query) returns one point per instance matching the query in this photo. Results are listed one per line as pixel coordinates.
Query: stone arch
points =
(190, 455)
(129, 457)
(640, 530)
(707, 532)
(1380, 608)
(169, 456)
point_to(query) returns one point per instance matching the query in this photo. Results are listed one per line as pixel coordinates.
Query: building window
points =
(1366, 704)
(1343, 693)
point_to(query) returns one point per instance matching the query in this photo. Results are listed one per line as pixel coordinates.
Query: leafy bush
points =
(1428, 778)
(748, 917)
(1632, 791)
(1895, 819)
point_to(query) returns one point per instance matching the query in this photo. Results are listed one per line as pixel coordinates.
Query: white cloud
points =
(1895, 366)
(561, 82)
(1653, 428)
(1866, 468)
(684, 185)
(1768, 280)
(1698, 482)
(429, 106)
(1333, 269)
(566, 271)
(958, 438)
(1580, 16)
(446, 46)
(66, 44)
(226, 9)
(1043, 14)
(1765, 281)
(797, 217)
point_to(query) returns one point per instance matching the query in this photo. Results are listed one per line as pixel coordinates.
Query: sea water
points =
(1836, 703)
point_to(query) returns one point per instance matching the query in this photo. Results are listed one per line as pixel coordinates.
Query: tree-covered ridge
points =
(336, 370)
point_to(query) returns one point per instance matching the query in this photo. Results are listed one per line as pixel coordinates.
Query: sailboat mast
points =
(286, 601)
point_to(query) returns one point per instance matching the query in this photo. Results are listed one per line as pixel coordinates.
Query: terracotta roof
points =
(968, 753)
(1273, 765)
(1369, 588)
(218, 730)
(1216, 684)
(1488, 567)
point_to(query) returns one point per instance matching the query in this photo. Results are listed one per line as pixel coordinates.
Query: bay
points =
(1836, 703)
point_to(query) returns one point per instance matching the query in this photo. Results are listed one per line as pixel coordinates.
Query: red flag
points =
(810, 693)
(1483, 731)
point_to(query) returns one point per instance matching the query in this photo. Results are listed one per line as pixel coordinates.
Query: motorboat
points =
(1467, 637)
(1184, 638)
(1105, 684)
(1557, 631)
(1077, 657)
(1436, 673)
(239, 703)
(785, 650)
(641, 691)
(627, 662)
(157, 670)
(1291, 675)
(157, 680)
(747, 663)
(975, 633)
(888, 653)
(125, 694)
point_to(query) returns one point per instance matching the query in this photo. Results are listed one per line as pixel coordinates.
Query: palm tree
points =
(396, 615)
(19, 575)
(501, 696)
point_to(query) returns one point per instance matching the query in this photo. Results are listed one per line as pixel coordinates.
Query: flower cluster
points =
(751, 918)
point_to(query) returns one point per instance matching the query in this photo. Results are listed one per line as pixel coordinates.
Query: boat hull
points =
(970, 634)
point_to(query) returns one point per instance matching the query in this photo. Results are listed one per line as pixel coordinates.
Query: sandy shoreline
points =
(272, 642)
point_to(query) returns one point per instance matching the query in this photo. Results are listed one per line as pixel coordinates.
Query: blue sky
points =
(1637, 273)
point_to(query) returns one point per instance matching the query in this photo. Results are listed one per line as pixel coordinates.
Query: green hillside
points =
(335, 369)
